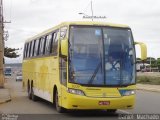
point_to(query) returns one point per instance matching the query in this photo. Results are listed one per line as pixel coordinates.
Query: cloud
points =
(30, 17)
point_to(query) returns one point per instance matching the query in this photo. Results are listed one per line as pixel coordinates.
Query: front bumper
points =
(73, 101)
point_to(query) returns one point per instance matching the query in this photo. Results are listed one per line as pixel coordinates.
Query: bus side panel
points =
(28, 69)
(48, 75)
(44, 72)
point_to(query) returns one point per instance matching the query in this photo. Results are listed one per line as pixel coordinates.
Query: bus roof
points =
(92, 23)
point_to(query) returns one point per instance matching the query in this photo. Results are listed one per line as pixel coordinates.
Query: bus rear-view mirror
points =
(64, 47)
(143, 50)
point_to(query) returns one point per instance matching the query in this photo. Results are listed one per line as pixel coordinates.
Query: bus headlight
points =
(76, 91)
(127, 92)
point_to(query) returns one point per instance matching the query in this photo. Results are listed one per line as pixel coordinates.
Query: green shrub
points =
(148, 80)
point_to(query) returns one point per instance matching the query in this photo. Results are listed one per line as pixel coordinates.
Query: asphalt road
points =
(146, 102)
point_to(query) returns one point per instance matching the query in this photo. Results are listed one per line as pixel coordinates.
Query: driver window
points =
(63, 32)
(63, 72)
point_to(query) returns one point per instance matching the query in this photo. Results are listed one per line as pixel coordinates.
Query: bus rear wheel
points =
(58, 108)
(33, 96)
(29, 91)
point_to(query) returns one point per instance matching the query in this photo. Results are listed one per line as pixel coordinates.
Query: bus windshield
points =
(101, 56)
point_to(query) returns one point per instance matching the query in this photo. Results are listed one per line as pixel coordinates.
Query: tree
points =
(151, 60)
(158, 63)
(138, 60)
(10, 52)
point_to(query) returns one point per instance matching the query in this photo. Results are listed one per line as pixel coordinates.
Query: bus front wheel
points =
(112, 111)
(58, 108)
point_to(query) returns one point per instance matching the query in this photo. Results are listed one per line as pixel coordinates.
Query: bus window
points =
(41, 49)
(51, 42)
(31, 48)
(63, 72)
(63, 32)
(44, 44)
(48, 41)
(28, 50)
(24, 52)
(55, 43)
(36, 47)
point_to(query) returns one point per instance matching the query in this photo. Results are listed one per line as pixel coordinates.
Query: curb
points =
(5, 95)
(5, 101)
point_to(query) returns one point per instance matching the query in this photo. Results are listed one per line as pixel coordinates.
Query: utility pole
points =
(1, 46)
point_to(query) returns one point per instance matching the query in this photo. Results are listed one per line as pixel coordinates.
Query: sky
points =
(30, 17)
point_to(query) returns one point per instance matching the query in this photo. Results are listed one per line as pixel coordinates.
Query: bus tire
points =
(111, 111)
(33, 96)
(29, 90)
(58, 108)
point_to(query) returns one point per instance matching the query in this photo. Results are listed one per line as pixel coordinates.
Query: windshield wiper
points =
(94, 74)
(96, 70)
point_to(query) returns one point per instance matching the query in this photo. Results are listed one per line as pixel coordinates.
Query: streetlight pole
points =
(92, 10)
(1, 46)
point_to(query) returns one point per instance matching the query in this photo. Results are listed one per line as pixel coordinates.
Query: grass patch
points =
(148, 80)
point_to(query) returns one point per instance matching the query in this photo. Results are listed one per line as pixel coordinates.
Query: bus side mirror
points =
(143, 50)
(64, 47)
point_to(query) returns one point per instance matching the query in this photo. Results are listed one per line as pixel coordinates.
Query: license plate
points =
(104, 103)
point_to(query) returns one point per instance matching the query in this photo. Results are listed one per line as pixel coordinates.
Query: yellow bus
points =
(82, 65)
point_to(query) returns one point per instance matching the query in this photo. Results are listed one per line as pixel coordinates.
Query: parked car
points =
(8, 71)
(19, 77)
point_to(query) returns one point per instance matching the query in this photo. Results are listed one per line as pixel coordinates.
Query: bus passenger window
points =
(24, 53)
(33, 46)
(31, 50)
(44, 45)
(48, 42)
(55, 43)
(36, 47)
(28, 49)
(41, 49)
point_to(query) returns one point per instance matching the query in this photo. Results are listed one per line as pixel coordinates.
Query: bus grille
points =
(103, 93)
